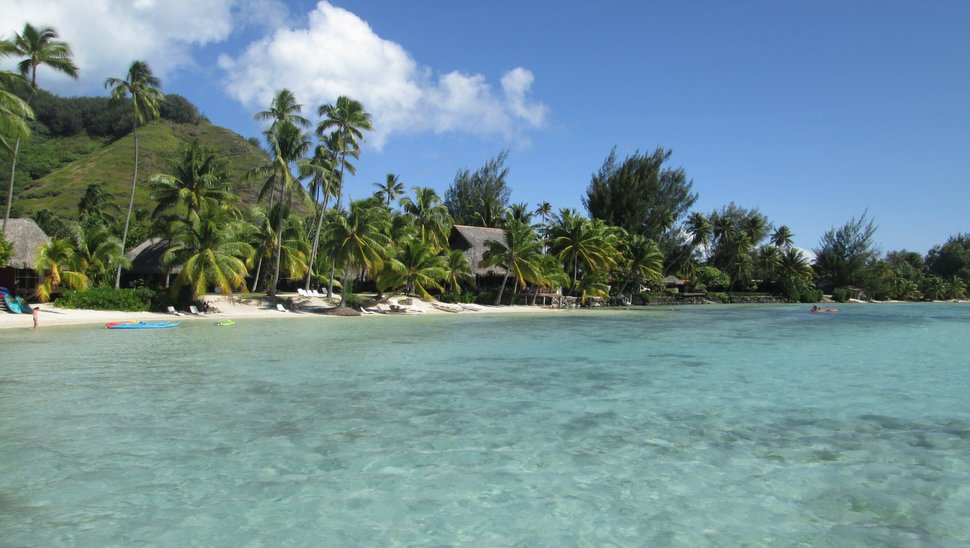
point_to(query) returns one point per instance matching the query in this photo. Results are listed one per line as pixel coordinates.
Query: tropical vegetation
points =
(280, 219)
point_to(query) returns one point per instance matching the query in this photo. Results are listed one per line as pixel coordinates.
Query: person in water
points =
(36, 313)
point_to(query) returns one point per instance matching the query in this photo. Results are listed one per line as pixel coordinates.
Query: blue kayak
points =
(139, 325)
(11, 303)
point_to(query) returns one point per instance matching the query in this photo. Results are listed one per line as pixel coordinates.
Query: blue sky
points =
(814, 112)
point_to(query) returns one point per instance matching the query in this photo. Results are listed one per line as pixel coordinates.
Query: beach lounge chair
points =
(171, 310)
(195, 311)
(281, 308)
(322, 293)
(314, 293)
(303, 292)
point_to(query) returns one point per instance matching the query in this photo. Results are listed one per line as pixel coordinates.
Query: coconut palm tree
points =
(198, 178)
(519, 254)
(390, 190)
(37, 46)
(783, 237)
(457, 270)
(14, 114)
(581, 243)
(97, 251)
(430, 216)
(323, 183)
(518, 212)
(283, 108)
(551, 275)
(420, 268)
(357, 237)
(57, 263)
(209, 248)
(642, 261)
(142, 86)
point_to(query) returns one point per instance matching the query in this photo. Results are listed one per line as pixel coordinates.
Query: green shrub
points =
(720, 296)
(108, 298)
(351, 300)
(841, 295)
(810, 296)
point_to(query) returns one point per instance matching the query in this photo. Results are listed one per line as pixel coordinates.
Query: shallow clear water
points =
(666, 426)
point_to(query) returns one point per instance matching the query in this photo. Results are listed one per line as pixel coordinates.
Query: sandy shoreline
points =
(50, 315)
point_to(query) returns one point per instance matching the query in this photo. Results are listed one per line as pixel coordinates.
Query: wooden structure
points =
(20, 274)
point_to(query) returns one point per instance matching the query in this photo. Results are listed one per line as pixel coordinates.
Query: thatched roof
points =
(146, 258)
(471, 240)
(27, 239)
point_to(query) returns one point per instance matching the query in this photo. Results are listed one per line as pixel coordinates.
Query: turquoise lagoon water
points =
(666, 426)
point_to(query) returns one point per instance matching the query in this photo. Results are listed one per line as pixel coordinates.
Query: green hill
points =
(72, 163)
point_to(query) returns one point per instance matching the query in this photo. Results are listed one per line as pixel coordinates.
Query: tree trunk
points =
(279, 244)
(316, 240)
(501, 289)
(13, 171)
(131, 202)
(340, 191)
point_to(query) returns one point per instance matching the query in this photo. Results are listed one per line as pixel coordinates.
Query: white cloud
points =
(339, 54)
(107, 35)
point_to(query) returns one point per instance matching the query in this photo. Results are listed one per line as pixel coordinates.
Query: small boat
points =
(24, 307)
(135, 324)
(446, 307)
(225, 323)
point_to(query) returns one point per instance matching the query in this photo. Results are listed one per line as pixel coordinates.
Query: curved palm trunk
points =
(316, 241)
(333, 265)
(13, 171)
(131, 203)
(501, 289)
(279, 242)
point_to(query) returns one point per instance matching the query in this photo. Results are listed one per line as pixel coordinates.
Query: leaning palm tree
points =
(322, 182)
(208, 248)
(583, 245)
(390, 190)
(14, 114)
(519, 254)
(36, 46)
(57, 263)
(142, 86)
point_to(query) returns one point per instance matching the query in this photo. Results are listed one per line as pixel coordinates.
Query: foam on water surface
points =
(673, 426)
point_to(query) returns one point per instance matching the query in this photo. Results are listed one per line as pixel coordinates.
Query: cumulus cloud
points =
(339, 54)
(106, 35)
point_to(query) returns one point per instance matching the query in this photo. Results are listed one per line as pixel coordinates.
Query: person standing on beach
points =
(36, 313)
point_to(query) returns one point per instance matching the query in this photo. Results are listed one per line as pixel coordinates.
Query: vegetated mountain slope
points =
(113, 164)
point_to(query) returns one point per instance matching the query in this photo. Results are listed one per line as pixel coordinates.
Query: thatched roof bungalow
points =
(471, 241)
(146, 263)
(27, 238)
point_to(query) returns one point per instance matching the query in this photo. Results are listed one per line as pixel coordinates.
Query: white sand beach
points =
(221, 308)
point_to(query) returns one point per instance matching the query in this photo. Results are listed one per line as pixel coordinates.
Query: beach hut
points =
(470, 240)
(18, 274)
(676, 284)
(147, 266)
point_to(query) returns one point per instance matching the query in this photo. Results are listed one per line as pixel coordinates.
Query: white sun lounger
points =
(171, 310)
(281, 308)
(195, 311)
(303, 292)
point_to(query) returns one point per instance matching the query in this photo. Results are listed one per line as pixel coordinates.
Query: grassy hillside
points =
(83, 160)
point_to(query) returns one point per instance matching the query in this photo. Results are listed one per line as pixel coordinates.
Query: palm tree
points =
(783, 237)
(345, 121)
(518, 212)
(97, 251)
(551, 275)
(357, 236)
(283, 108)
(419, 267)
(430, 216)
(14, 114)
(582, 243)
(519, 254)
(322, 182)
(277, 233)
(208, 247)
(142, 86)
(37, 46)
(390, 190)
(642, 260)
(57, 264)
(457, 270)
(198, 179)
